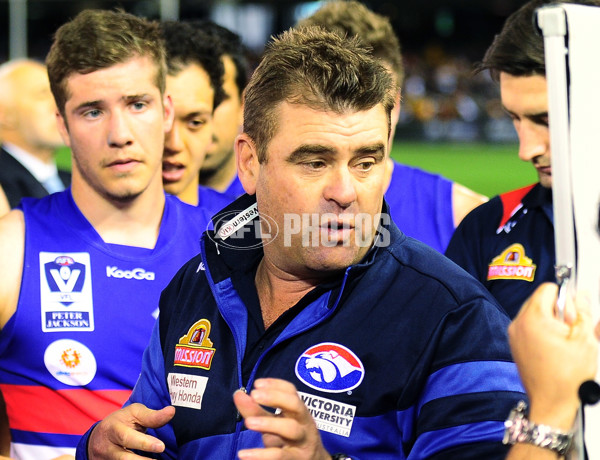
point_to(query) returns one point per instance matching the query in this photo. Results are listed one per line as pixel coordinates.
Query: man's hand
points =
(123, 430)
(554, 357)
(291, 434)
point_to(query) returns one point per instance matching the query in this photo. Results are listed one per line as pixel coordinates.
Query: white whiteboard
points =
(575, 139)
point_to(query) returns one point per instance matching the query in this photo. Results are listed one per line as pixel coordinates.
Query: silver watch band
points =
(517, 429)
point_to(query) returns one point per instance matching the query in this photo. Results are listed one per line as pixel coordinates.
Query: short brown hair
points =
(350, 18)
(97, 39)
(316, 68)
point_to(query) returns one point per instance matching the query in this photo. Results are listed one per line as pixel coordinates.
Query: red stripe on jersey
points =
(42, 410)
(510, 201)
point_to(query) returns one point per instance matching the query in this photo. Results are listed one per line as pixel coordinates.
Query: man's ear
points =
(61, 124)
(247, 162)
(169, 112)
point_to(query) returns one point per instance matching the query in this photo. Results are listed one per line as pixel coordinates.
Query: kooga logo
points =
(136, 274)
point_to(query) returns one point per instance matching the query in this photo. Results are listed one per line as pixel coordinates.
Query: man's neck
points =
(132, 223)
(279, 291)
(221, 177)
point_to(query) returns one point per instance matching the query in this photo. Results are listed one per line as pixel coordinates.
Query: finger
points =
(284, 428)
(149, 418)
(278, 394)
(273, 453)
(246, 406)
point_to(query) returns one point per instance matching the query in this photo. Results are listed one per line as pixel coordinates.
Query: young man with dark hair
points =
(79, 298)
(195, 86)
(219, 169)
(508, 243)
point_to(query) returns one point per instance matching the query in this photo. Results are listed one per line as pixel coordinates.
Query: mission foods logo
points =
(330, 367)
(195, 348)
(512, 264)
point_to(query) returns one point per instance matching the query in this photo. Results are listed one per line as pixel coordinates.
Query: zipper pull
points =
(238, 416)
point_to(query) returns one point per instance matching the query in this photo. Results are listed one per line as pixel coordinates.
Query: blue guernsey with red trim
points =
(508, 244)
(72, 352)
(403, 356)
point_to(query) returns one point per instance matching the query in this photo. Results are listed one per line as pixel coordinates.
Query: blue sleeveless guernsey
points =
(72, 352)
(421, 205)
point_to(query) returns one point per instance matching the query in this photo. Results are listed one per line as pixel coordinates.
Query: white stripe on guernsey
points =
(30, 452)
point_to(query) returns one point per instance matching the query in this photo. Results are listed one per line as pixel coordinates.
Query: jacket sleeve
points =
(471, 386)
(150, 390)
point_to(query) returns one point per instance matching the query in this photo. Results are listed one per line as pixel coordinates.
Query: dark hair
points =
(519, 48)
(316, 68)
(230, 45)
(350, 18)
(98, 39)
(187, 43)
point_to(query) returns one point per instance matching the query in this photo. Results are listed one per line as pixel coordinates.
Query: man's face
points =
(323, 170)
(186, 143)
(115, 124)
(34, 109)
(227, 121)
(526, 101)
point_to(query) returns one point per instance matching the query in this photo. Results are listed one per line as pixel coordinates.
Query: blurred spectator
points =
(28, 133)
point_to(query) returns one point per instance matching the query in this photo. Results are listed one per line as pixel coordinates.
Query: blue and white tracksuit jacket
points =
(406, 357)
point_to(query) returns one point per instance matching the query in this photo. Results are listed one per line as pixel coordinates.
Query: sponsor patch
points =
(330, 367)
(135, 274)
(70, 362)
(331, 416)
(238, 221)
(512, 264)
(187, 390)
(66, 292)
(195, 348)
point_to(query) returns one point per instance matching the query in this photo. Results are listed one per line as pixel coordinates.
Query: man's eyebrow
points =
(307, 150)
(376, 148)
(535, 117)
(88, 105)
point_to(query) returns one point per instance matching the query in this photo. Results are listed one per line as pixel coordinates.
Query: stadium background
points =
(452, 122)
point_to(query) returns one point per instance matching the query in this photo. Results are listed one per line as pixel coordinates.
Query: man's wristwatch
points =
(519, 429)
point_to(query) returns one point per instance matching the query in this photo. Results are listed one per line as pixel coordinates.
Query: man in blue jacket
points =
(310, 326)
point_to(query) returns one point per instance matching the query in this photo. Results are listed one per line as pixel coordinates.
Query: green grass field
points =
(486, 168)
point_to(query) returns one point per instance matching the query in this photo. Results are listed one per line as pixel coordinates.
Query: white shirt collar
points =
(38, 169)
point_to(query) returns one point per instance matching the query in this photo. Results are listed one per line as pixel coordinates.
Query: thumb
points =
(149, 418)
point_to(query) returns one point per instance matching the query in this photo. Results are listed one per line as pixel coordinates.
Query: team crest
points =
(66, 292)
(195, 349)
(330, 367)
(512, 264)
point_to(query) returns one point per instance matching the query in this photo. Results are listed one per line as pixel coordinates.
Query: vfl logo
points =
(65, 276)
(136, 274)
(330, 367)
(195, 349)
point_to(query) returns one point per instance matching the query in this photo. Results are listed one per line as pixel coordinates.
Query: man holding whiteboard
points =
(508, 242)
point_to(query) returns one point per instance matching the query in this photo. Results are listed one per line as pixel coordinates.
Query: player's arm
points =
(4, 206)
(12, 248)
(464, 200)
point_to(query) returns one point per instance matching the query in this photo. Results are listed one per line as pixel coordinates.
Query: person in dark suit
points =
(28, 133)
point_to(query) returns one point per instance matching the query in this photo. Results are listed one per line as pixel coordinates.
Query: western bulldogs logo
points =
(330, 367)
(65, 276)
